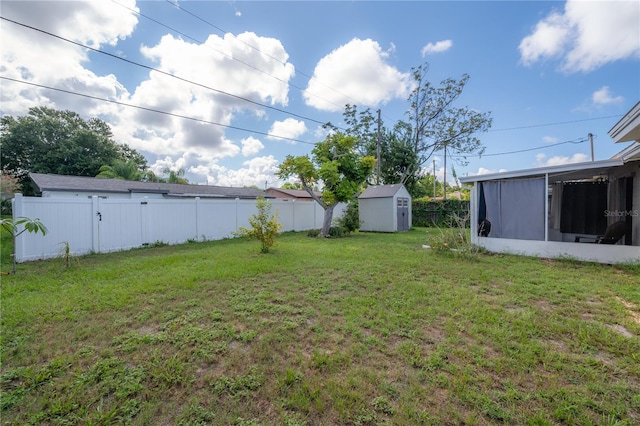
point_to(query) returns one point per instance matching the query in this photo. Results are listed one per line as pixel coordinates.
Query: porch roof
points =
(566, 171)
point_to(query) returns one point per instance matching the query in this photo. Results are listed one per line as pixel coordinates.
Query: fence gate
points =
(403, 214)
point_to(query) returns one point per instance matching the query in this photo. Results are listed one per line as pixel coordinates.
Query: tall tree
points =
(398, 159)
(336, 163)
(437, 124)
(60, 142)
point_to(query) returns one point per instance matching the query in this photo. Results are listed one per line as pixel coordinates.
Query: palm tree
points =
(126, 170)
(174, 176)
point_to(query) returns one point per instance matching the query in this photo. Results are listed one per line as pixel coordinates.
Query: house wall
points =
(106, 225)
(378, 214)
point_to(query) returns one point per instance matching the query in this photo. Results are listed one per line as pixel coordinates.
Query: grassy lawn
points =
(366, 330)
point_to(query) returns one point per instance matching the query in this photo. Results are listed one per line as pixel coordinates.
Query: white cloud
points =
(255, 172)
(251, 146)
(586, 36)
(603, 96)
(355, 73)
(550, 139)
(543, 161)
(483, 171)
(437, 47)
(29, 55)
(288, 128)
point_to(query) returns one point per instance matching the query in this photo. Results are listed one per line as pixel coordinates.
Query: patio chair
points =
(612, 235)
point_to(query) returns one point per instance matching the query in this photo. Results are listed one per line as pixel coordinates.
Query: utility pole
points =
(378, 151)
(444, 183)
(435, 194)
(591, 142)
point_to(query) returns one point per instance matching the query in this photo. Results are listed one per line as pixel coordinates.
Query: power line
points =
(199, 41)
(155, 110)
(575, 142)
(163, 72)
(176, 5)
(554, 124)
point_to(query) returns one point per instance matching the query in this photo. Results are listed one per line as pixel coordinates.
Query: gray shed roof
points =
(381, 191)
(50, 182)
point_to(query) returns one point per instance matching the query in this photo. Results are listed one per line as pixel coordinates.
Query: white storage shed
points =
(385, 208)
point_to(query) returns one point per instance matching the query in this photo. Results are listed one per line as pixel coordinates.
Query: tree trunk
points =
(328, 209)
(326, 222)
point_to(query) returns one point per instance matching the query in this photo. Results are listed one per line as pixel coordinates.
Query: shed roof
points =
(381, 191)
(51, 182)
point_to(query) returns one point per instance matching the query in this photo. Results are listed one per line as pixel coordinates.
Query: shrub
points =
(454, 240)
(264, 226)
(438, 213)
(337, 232)
(350, 220)
(313, 233)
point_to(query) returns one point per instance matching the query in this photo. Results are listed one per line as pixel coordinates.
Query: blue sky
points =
(550, 73)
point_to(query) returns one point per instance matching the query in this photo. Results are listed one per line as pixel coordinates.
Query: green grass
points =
(6, 249)
(366, 330)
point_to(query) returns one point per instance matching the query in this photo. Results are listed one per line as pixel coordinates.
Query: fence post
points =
(95, 224)
(18, 210)
(237, 212)
(144, 220)
(197, 218)
(293, 209)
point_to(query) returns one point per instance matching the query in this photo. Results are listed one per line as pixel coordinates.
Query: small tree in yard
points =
(336, 163)
(264, 225)
(13, 228)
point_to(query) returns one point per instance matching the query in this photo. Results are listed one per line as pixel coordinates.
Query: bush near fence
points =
(438, 213)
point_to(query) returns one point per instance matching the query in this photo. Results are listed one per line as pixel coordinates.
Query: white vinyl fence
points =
(98, 225)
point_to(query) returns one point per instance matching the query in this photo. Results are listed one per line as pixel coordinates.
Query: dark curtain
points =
(583, 208)
(482, 205)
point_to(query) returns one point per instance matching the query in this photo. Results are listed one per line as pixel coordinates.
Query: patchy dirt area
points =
(632, 309)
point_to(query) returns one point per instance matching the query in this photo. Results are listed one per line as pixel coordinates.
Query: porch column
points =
(546, 206)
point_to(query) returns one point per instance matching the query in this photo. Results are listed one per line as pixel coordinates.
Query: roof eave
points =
(544, 170)
(628, 128)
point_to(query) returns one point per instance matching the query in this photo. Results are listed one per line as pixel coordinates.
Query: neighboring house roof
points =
(53, 183)
(291, 193)
(381, 191)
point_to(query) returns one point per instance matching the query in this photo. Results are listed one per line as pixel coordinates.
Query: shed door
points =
(403, 214)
